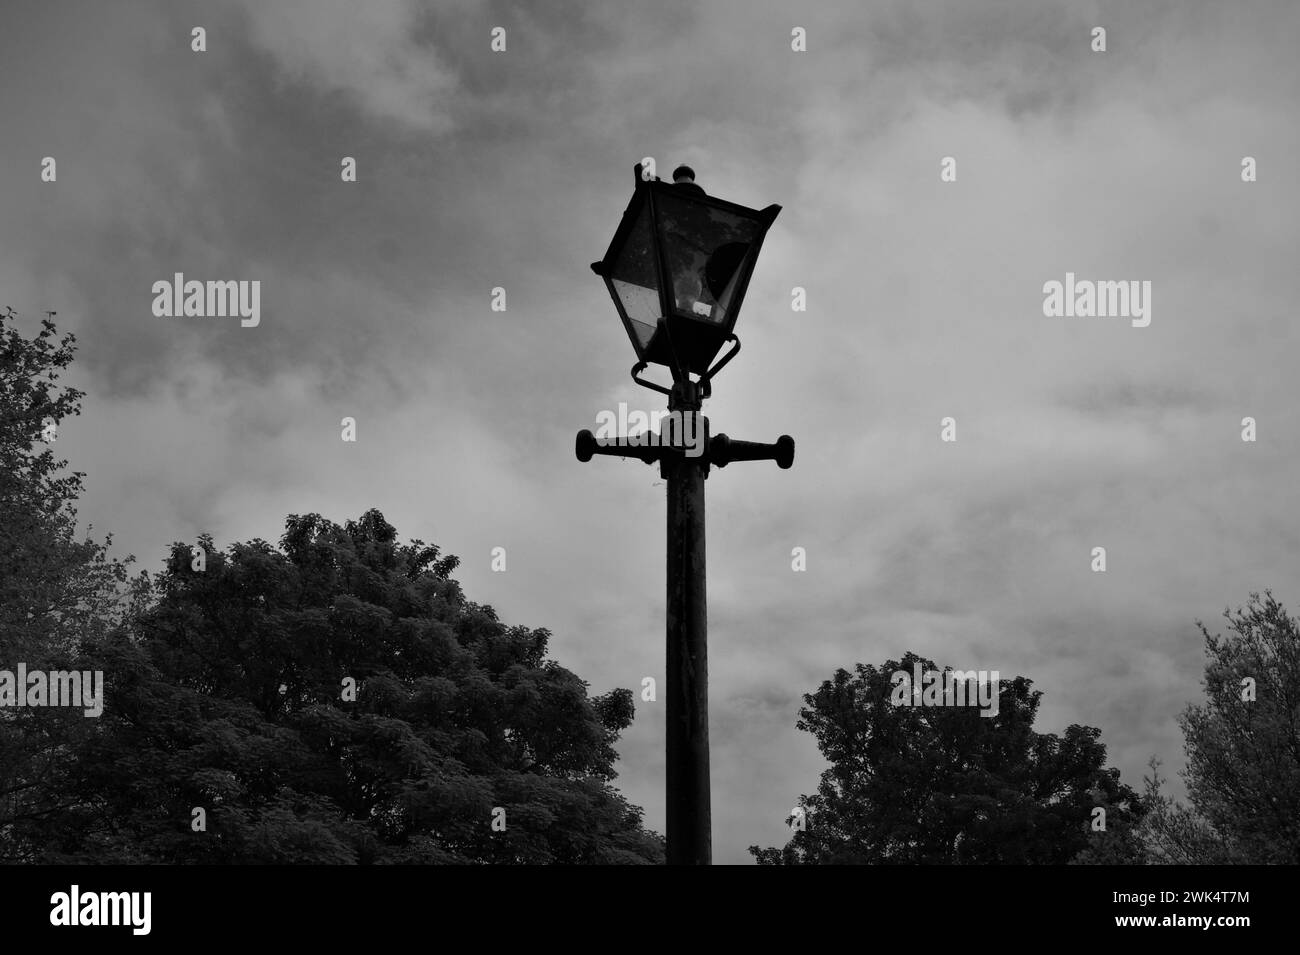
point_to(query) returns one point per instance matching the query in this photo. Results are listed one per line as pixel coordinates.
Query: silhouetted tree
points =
(230, 692)
(1243, 773)
(945, 785)
(58, 590)
(1174, 834)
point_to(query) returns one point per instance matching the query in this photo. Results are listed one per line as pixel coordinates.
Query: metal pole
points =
(689, 817)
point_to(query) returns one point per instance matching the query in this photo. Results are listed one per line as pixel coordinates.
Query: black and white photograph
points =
(483, 433)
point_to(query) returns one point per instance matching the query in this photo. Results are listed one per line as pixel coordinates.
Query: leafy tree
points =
(229, 692)
(58, 591)
(945, 785)
(1243, 773)
(1174, 834)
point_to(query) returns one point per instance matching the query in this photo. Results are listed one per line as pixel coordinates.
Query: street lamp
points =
(677, 269)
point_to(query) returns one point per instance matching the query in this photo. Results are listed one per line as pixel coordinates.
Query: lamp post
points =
(677, 269)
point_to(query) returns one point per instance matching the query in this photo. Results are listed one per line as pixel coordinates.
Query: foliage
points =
(230, 693)
(1243, 772)
(58, 591)
(946, 785)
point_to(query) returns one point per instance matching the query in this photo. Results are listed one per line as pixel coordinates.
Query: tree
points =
(338, 700)
(1173, 834)
(945, 785)
(57, 591)
(1243, 743)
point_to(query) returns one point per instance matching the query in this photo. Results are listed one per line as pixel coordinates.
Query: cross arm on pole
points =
(724, 450)
(586, 446)
(720, 450)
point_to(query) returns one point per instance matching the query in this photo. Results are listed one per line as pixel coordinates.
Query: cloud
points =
(367, 51)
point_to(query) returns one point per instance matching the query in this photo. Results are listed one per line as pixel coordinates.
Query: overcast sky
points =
(925, 299)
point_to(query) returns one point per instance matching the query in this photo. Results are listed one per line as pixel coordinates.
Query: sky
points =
(479, 170)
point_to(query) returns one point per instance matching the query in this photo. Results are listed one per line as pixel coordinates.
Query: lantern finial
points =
(684, 179)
